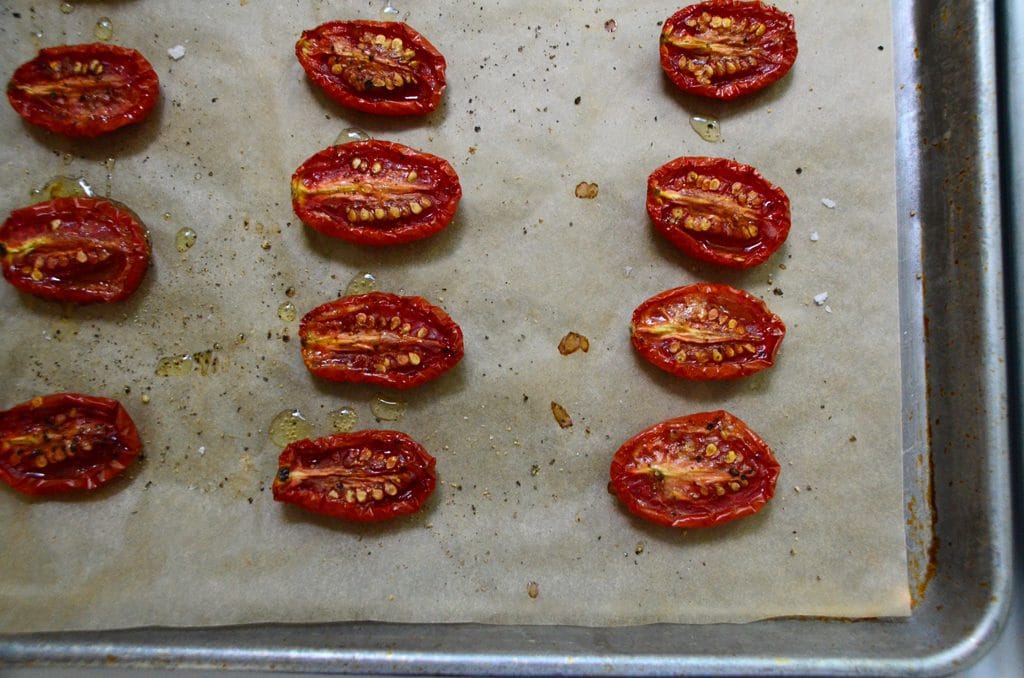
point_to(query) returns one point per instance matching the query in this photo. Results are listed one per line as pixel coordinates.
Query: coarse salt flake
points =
(814, 236)
(829, 203)
(176, 52)
(820, 299)
(828, 309)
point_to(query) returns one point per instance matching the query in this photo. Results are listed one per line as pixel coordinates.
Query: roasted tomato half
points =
(74, 249)
(376, 193)
(380, 338)
(707, 331)
(84, 90)
(718, 210)
(379, 67)
(362, 476)
(695, 471)
(727, 48)
(65, 441)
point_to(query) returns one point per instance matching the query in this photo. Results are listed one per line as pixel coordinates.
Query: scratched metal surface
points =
(955, 441)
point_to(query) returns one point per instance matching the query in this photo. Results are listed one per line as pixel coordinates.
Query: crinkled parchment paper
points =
(541, 96)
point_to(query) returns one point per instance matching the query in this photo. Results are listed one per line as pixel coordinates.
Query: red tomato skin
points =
(85, 227)
(656, 457)
(345, 340)
(85, 441)
(406, 99)
(775, 47)
(354, 466)
(653, 332)
(127, 86)
(684, 184)
(349, 209)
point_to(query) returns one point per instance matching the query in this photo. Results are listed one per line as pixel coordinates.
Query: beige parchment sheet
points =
(191, 535)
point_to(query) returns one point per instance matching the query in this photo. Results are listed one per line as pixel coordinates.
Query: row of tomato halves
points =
(697, 470)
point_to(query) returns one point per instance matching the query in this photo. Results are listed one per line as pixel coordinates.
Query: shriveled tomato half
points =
(378, 67)
(707, 331)
(65, 441)
(74, 249)
(700, 470)
(84, 90)
(361, 476)
(718, 210)
(376, 193)
(727, 48)
(380, 338)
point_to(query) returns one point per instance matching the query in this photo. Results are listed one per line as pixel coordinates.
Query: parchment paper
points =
(191, 535)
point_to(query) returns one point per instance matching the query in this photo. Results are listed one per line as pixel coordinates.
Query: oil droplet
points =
(389, 13)
(66, 8)
(62, 187)
(287, 426)
(240, 339)
(344, 419)
(37, 39)
(104, 29)
(352, 134)
(386, 409)
(707, 127)
(286, 311)
(67, 159)
(206, 361)
(174, 366)
(184, 239)
(361, 283)
(167, 216)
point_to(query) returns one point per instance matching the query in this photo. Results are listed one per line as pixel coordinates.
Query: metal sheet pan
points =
(955, 442)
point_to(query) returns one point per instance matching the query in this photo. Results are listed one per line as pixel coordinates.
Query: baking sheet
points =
(192, 537)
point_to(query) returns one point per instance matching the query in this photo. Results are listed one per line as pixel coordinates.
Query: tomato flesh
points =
(361, 476)
(700, 470)
(378, 67)
(376, 193)
(84, 90)
(717, 210)
(81, 250)
(707, 331)
(380, 338)
(725, 49)
(65, 441)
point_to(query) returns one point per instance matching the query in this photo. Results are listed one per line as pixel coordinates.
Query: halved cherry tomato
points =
(84, 90)
(362, 476)
(74, 249)
(707, 331)
(718, 210)
(374, 66)
(695, 471)
(727, 48)
(376, 193)
(65, 441)
(380, 338)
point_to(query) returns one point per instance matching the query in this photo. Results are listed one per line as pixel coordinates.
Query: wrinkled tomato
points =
(84, 90)
(380, 338)
(74, 249)
(378, 67)
(376, 193)
(707, 331)
(695, 471)
(727, 48)
(718, 210)
(361, 476)
(65, 441)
